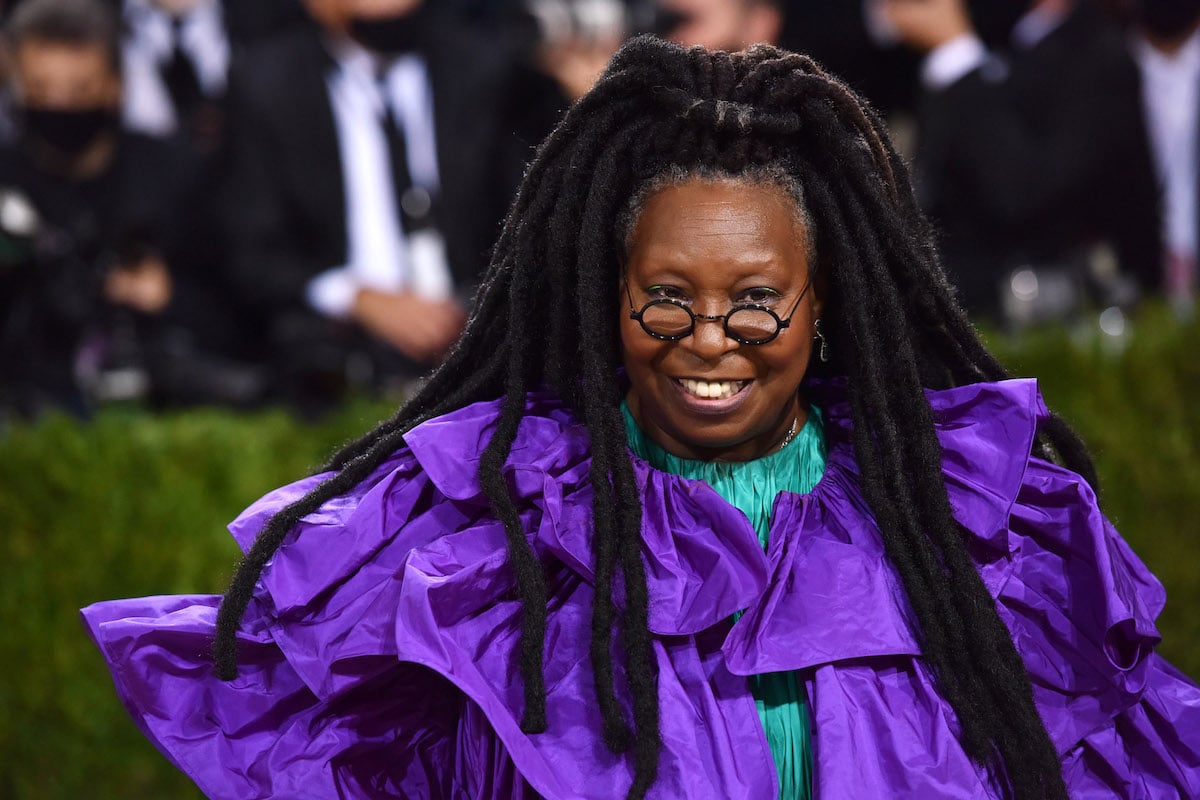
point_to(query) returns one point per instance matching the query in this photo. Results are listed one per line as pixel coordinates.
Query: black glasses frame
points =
(780, 324)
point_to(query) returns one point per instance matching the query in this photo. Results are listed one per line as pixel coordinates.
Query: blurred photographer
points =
(99, 297)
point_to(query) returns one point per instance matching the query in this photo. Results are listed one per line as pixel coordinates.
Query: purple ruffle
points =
(379, 658)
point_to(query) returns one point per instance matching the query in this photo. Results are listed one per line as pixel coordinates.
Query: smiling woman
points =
(722, 249)
(719, 495)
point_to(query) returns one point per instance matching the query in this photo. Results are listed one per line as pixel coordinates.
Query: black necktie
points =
(414, 202)
(179, 74)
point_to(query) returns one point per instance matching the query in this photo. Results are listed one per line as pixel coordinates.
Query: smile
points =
(711, 390)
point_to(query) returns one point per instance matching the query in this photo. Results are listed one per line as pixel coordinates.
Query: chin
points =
(714, 440)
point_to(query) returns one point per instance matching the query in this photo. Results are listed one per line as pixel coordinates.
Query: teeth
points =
(713, 390)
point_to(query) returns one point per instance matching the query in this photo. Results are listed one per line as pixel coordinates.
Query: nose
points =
(708, 339)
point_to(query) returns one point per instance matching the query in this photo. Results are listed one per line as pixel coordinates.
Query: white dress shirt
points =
(1171, 102)
(380, 255)
(149, 45)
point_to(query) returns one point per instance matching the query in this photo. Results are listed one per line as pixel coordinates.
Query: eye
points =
(759, 296)
(662, 292)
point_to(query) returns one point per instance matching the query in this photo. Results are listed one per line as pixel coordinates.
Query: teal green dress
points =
(751, 486)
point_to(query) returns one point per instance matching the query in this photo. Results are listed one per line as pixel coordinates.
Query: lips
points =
(711, 390)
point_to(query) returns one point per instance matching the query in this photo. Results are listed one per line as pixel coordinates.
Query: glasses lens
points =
(753, 324)
(666, 319)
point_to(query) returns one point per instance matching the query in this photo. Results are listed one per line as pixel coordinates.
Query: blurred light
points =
(1112, 321)
(1025, 285)
(17, 215)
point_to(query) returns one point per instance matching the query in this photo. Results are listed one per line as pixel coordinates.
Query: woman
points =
(715, 262)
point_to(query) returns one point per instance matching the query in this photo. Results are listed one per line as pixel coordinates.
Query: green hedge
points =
(132, 504)
(126, 505)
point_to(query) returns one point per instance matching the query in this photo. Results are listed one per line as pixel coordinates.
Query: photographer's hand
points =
(419, 328)
(144, 285)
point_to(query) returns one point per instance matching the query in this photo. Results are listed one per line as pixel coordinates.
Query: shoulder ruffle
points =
(695, 580)
(833, 593)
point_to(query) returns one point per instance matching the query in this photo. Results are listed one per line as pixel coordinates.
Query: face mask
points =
(1166, 19)
(69, 131)
(389, 35)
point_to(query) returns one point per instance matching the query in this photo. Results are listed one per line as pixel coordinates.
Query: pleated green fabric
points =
(751, 487)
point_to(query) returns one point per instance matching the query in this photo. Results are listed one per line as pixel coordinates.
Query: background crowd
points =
(238, 203)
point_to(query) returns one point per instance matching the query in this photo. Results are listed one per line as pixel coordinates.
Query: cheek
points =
(802, 332)
(110, 94)
(642, 357)
(791, 361)
(638, 351)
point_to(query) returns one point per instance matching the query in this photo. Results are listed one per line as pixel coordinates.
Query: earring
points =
(823, 353)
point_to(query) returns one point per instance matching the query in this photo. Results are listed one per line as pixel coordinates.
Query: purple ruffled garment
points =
(379, 657)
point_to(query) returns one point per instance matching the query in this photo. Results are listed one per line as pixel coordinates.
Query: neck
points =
(1170, 46)
(787, 437)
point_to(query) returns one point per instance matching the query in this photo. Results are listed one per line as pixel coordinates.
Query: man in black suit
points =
(1036, 159)
(371, 166)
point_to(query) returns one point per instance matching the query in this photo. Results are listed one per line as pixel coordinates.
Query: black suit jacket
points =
(1041, 162)
(286, 204)
(249, 22)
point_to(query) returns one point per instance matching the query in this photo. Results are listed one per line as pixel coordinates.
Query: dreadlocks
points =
(546, 316)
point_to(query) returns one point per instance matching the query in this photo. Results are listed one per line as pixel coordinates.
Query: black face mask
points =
(392, 35)
(1166, 19)
(69, 131)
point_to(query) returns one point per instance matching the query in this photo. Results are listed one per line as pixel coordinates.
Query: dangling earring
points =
(823, 353)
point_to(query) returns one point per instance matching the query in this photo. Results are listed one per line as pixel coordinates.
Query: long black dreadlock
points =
(888, 307)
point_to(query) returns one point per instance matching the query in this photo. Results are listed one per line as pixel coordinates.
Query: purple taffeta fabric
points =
(379, 657)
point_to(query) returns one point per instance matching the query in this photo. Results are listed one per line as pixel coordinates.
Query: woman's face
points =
(715, 245)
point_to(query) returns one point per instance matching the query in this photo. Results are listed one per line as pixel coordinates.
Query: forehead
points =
(48, 64)
(720, 228)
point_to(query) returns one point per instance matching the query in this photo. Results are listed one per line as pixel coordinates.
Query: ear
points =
(820, 287)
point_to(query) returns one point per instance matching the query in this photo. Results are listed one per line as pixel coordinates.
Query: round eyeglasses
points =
(671, 320)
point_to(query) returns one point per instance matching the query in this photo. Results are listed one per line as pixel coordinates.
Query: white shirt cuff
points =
(332, 293)
(948, 63)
